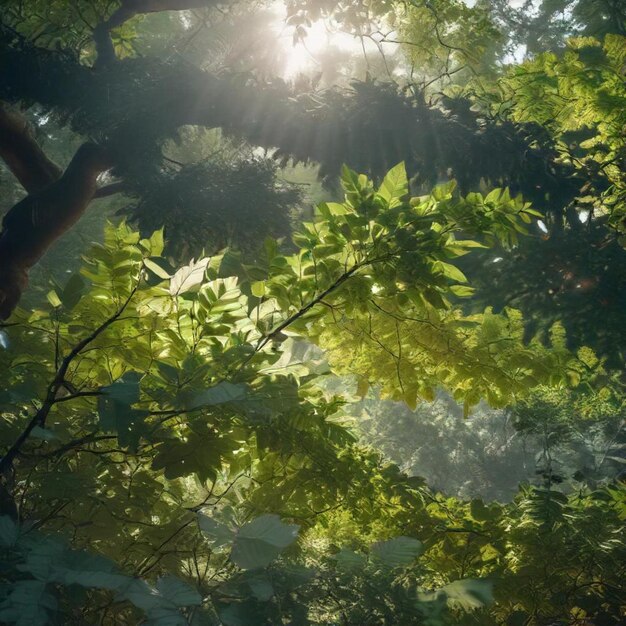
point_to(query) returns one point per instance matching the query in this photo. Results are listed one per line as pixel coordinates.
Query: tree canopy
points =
(333, 338)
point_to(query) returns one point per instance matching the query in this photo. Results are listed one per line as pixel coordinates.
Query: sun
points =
(302, 55)
(311, 53)
(305, 56)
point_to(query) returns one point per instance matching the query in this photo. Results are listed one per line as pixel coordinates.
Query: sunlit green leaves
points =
(189, 277)
(395, 186)
(206, 394)
(397, 552)
(579, 97)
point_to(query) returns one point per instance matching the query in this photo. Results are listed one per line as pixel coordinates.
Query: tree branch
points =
(36, 222)
(129, 9)
(23, 155)
(39, 419)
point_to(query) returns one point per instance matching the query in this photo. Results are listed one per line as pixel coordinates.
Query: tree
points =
(173, 449)
(577, 98)
(113, 102)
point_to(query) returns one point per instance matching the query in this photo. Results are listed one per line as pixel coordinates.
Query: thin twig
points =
(39, 419)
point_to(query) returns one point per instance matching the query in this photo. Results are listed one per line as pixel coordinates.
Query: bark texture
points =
(22, 154)
(35, 223)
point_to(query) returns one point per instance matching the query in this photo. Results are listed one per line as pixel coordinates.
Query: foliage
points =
(580, 97)
(543, 25)
(396, 313)
(183, 422)
(215, 205)
(178, 436)
(446, 37)
(57, 23)
(570, 270)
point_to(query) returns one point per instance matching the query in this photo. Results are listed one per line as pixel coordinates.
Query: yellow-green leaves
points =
(579, 96)
(395, 186)
(374, 282)
(189, 277)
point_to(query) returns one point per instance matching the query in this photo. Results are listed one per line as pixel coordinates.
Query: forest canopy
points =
(312, 312)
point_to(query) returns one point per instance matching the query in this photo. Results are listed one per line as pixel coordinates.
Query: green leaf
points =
(348, 560)
(258, 288)
(157, 242)
(462, 291)
(157, 266)
(142, 595)
(87, 570)
(444, 191)
(468, 243)
(349, 180)
(198, 453)
(398, 551)
(395, 185)
(260, 541)
(450, 271)
(116, 414)
(53, 299)
(73, 291)
(240, 614)
(218, 534)
(333, 208)
(189, 278)
(469, 593)
(220, 394)
(261, 587)
(493, 196)
(178, 592)
(124, 390)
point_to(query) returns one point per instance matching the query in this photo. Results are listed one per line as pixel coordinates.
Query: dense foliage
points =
(164, 396)
(221, 406)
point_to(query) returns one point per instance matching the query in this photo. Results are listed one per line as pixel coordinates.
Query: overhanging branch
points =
(23, 155)
(129, 9)
(36, 222)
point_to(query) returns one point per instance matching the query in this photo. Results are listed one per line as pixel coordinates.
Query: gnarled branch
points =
(22, 154)
(127, 10)
(38, 220)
